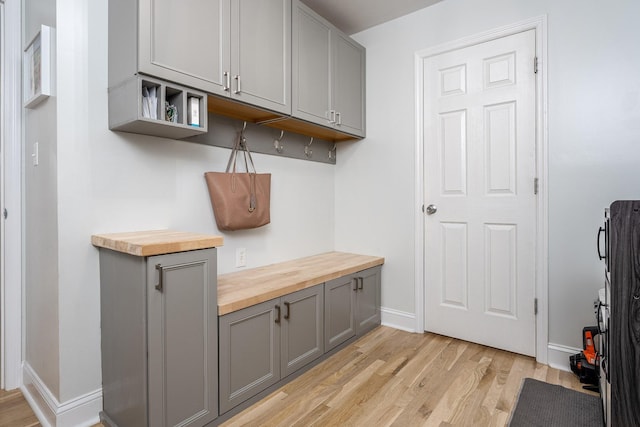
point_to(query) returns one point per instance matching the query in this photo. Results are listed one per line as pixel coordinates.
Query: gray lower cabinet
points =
(352, 306)
(159, 338)
(263, 343)
(367, 300)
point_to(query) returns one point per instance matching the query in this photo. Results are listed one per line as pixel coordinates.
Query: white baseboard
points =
(558, 356)
(80, 411)
(398, 319)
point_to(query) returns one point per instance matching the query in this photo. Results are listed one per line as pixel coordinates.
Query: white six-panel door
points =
(479, 170)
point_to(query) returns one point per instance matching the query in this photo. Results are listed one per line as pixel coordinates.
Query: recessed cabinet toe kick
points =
(278, 321)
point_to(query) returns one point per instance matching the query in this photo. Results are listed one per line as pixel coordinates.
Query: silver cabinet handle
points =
(431, 209)
(160, 285)
(339, 119)
(238, 90)
(331, 116)
(227, 81)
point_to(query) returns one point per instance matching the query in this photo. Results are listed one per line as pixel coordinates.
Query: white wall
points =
(41, 235)
(594, 130)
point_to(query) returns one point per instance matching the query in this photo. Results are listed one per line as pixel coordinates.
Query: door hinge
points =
(535, 185)
(535, 65)
(535, 306)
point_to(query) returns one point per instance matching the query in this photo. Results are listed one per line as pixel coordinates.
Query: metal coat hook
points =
(307, 150)
(244, 126)
(332, 152)
(278, 143)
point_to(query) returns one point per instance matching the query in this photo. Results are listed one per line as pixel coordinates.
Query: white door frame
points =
(539, 24)
(11, 344)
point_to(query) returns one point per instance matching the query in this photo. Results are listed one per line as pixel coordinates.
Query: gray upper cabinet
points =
(311, 65)
(159, 338)
(328, 74)
(260, 68)
(348, 85)
(180, 41)
(231, 48)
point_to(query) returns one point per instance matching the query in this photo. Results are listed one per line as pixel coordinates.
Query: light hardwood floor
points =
(387, 378)
(14, 410)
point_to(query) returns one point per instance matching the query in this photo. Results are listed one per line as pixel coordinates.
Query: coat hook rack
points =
(226, 132)
(307, 149)
(277, 144)
(332, 152)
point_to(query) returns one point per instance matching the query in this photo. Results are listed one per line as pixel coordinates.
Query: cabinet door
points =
(339, 314)
(249, 353)
(185, 41)
(311, 66)
(348, 84)
(261, 53)
(368, 300)
(301, 336)
(182, 338)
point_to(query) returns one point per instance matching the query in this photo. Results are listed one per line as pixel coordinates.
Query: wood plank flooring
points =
(396, 378)
(15, 411)
(387, 378)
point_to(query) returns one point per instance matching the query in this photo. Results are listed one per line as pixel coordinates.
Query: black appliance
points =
(619, 314)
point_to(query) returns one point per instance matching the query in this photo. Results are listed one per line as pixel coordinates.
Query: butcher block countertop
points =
(155, 242)
(253, 286)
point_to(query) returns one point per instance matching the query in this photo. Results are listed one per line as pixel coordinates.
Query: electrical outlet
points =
(241, 257)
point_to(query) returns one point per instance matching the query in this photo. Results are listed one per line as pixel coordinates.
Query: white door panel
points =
(479, 162)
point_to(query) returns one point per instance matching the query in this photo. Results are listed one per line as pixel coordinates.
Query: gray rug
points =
(549, 405)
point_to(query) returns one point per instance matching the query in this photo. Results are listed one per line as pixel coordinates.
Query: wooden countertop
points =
(249, 287)
(155, 242)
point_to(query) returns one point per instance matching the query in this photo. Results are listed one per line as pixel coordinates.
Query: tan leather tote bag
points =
(240, 200)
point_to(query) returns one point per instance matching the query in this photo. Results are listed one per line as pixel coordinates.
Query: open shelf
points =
(153, 107)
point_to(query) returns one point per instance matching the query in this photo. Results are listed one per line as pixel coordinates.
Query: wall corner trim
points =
(398, 319)
(79, 411)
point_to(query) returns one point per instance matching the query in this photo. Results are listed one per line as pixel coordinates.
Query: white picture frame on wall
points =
(38, 67)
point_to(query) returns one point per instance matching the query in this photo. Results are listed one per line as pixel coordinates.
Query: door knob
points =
(431, 209)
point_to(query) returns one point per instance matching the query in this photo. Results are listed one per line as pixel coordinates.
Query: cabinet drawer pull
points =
(338, 119)
(227, 81)
(361, 279)
(287, 315)
(278, 315)
(355, 284)
(160, 285)
(331, 116)
(238, 90)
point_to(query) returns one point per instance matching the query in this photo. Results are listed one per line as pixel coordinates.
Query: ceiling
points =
(353, 16)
